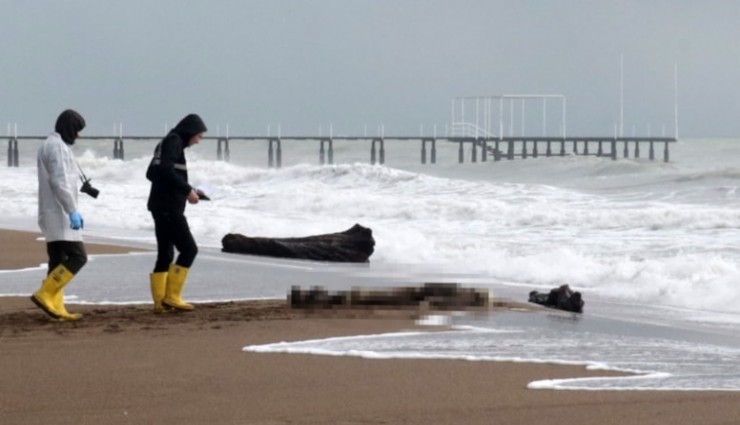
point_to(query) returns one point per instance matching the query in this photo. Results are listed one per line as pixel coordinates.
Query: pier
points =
(470, 149)
(486, 132)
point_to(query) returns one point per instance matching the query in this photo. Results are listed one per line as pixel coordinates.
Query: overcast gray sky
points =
(357, 63)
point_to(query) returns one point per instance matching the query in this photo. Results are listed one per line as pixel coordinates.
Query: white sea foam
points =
(434, 320)
(603, 226)
(618, 235)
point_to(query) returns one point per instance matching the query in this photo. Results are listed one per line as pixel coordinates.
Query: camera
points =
(88, 189)
(202, 195)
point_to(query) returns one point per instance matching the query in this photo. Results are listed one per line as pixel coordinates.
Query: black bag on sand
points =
(562, 298)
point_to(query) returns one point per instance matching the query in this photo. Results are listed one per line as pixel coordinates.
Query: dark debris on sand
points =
(114, 319)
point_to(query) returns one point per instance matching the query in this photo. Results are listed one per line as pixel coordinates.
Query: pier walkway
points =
(474, 148)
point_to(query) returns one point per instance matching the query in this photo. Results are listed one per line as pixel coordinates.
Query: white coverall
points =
(57, 189)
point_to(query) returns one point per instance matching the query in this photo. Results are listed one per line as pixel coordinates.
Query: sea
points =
(653, 246)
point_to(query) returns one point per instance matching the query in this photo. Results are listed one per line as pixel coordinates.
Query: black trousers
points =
(70, 254)
(172, 231)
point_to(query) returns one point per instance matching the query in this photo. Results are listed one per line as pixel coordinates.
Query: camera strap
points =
(83, 177)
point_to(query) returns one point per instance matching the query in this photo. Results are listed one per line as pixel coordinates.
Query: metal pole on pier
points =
(544, 117)
(522, 131)
(15, 148)
(675, 106)
(434, 146)
(621, 95)
(452, 123)
(511, 117)
(564, 103)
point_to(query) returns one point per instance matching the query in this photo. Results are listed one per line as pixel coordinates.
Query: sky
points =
(359, 66)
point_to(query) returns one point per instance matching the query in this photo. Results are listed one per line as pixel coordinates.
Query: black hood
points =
(189, 127)
(68, 125)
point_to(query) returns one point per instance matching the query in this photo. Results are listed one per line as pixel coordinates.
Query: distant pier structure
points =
(498, 125)
(475, 148)
(482, 127)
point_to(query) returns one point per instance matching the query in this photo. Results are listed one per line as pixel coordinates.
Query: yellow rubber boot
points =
(176, 278)
(46, 298)
(59, 304)
(158, 283)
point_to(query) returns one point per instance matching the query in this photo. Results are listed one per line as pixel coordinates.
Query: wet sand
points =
(123, 365)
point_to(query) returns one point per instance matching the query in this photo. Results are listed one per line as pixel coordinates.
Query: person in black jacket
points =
(169, 193)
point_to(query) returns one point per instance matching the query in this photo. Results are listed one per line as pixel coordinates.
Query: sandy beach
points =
(123, 365)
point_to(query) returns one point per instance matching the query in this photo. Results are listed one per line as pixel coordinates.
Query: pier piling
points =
(274, 155)
(323, 151)
(13, 152)
(222, 149)
(118, 149)
(433, 152)
(514, 146)
(666, 156)
(381, 151)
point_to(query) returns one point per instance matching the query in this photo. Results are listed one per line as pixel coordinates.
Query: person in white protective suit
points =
(59, 218)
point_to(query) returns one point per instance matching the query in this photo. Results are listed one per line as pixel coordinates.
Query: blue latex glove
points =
(76, 221)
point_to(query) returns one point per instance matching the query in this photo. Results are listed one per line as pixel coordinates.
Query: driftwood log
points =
(354, 245)
(440, 296)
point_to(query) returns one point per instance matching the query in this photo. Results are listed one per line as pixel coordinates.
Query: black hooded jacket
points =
(168, 170)
(69, 123)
